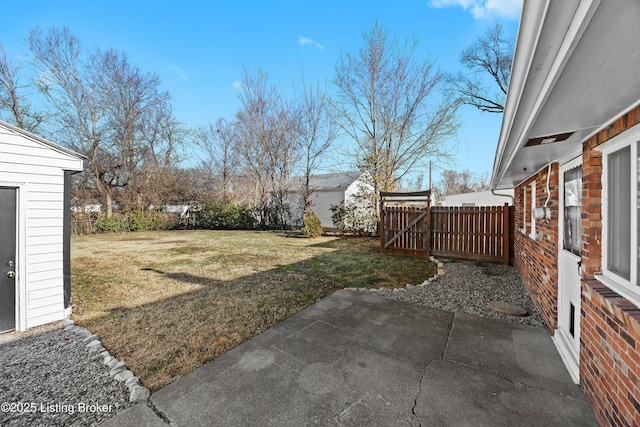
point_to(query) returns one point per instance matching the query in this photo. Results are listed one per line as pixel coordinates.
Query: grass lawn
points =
(168, 302)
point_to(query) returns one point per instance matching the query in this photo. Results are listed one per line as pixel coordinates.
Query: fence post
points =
(506, 247)
(427, 232)
(381, 226)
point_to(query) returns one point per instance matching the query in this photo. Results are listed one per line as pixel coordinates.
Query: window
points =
(524, 208)
(572, 239)
(528, 205)
(533, 206)
(619, 212)
(621, 215)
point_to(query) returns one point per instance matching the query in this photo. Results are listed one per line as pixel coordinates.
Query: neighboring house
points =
(88, 208)
(35, 210)
(479, 198)
(570, 145)
(181, 210)
(328, 190)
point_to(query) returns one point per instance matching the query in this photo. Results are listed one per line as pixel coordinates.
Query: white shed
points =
(328, 190)
(35, 197)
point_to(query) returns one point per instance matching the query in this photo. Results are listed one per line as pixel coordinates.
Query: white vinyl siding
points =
(324, 198)
(322, 206)
(37, 170)
(479, 198)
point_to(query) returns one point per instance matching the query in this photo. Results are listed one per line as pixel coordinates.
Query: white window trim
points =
(620, 285)
(533, 206)
(524, 213)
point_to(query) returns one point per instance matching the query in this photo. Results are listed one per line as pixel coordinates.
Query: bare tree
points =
(109, 110)
(316, 132)
(267, 143)
(73, 87)
(490, 56)
(221, 161)
(390, 103)
(453, 182)
(143, 134)
(14, 103)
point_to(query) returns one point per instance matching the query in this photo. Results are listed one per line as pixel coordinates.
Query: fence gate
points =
(404, 223)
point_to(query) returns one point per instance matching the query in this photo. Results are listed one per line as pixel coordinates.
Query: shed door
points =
(7, 259)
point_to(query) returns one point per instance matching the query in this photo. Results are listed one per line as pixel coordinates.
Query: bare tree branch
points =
(316, 132)
(268, 144)
(109, 110)
(392, 105)
(489, 56)
(13, 99)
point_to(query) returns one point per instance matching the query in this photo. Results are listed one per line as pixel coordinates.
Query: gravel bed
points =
(469, 287)
(49, 378)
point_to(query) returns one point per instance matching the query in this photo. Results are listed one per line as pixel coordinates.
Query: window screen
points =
(619, 212)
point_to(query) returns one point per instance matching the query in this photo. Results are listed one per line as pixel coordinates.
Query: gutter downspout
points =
(513, 201)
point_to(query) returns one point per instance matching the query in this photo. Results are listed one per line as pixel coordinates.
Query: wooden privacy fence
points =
(476, 233)
(484, 233)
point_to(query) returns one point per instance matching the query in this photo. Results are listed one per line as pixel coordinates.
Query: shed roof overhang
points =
(65, 151)
(575, 69)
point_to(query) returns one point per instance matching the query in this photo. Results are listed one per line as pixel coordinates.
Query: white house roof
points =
(574, 71)
(14, 129)
(327, 181)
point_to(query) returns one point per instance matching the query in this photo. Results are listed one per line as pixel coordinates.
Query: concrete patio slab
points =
(355, 359)
(521, 353)
(139, 415)
(454, 395)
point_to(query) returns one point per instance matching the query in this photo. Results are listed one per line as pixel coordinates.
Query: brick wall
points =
(610, 324)
(537, 259)
(609, 357)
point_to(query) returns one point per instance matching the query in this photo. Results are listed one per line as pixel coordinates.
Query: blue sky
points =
(200, 48)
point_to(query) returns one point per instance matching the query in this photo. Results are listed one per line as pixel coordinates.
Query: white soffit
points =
(582, 75)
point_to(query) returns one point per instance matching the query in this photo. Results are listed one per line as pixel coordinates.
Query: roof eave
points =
(41, 140)
(531, 21)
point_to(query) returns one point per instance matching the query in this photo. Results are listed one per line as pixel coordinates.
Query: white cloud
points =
(179, 72)
(482, 9)
(306, 41)
(237, 85)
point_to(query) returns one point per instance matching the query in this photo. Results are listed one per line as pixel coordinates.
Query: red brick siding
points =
(610, 360)
(537, 260)
(610, 324)
(591, 212)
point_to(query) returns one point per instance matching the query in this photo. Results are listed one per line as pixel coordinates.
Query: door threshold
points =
(567, 354)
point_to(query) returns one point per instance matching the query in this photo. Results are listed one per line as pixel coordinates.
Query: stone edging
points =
(118, 370)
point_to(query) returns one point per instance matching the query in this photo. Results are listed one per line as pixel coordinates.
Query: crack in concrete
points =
(424, 374)
(158, 412)
(446, 346)
(415, 401)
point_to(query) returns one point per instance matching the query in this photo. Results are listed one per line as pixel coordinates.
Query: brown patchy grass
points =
(168, 302)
